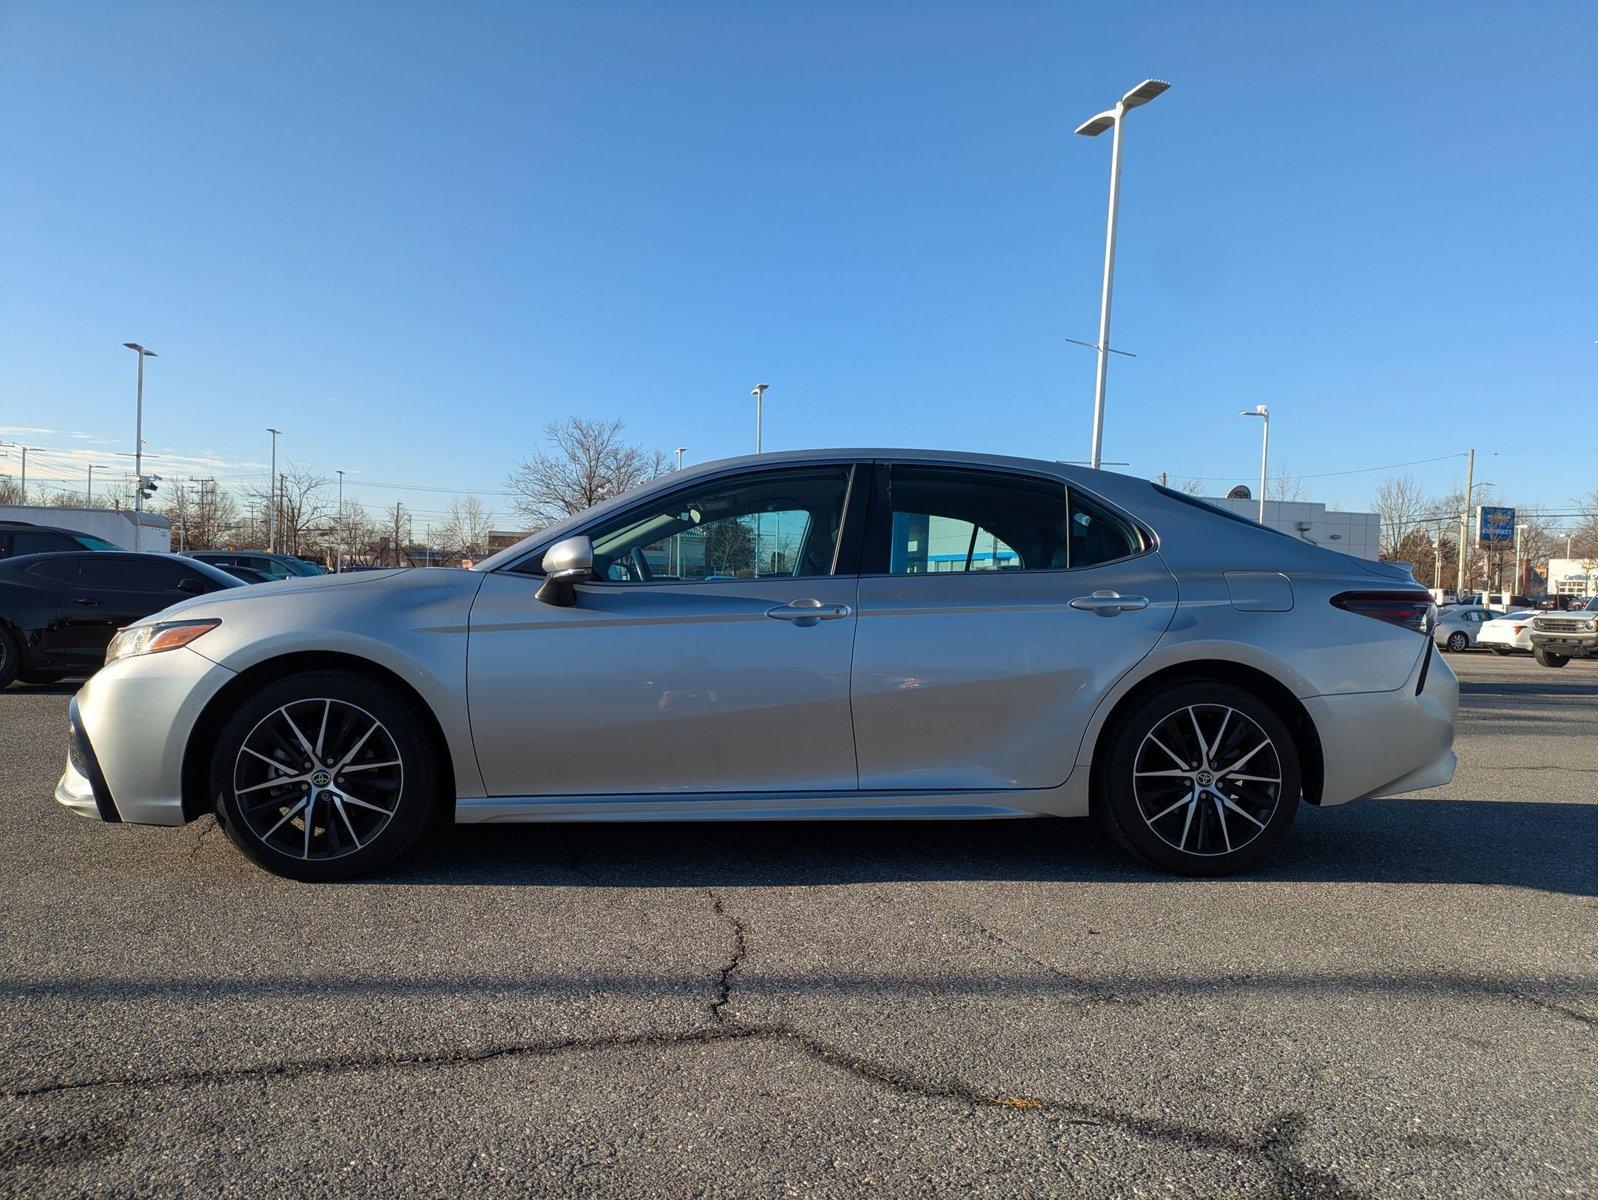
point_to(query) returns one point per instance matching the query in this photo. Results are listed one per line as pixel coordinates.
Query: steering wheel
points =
(641, 565)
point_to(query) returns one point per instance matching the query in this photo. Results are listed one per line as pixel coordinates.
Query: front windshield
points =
(90, 542)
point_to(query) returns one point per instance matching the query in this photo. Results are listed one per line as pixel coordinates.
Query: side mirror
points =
(566, 564)
(192, 586)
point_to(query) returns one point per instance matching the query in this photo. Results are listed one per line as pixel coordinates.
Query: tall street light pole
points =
(271, 517)
(1263, 412)
(338, 548)
(1111, 119)
(1464, 520)
(759, 393)
(681, 450)
(88, 499)
(138, 442)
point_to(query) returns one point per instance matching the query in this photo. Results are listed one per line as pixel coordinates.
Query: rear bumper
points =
(1384, 743)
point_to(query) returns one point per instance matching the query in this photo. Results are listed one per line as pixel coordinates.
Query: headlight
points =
(152, 639)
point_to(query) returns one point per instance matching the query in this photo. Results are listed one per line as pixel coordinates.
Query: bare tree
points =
(1402, 507)
(586, 461)
(464, 533)
(303, 512)
(1282, 484)
(1584, 537)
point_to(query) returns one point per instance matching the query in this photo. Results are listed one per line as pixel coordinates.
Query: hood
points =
(311, 587)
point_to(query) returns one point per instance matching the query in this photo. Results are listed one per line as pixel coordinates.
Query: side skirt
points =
(765, 806)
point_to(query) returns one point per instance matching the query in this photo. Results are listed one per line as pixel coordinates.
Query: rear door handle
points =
(1107, 603)
(807, 612)
(87, 601)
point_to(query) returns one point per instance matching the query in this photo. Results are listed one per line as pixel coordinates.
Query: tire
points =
(1458, 641)
(1501, 651)
(41, 676)
(1547, 658)
(1139, 789)
(364, 815)
(10, 658)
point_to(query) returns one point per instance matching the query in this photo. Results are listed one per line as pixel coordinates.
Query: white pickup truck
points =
(1558, 637)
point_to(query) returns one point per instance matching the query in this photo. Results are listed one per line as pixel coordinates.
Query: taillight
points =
(1412, 611)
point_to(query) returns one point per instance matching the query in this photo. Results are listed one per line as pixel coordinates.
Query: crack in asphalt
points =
(1275, 1148)
(1094, 993)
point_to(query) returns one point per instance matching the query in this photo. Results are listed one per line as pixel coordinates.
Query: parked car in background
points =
(59, 611)
(20, 537)
(1556, 638)
(1459, 624)
(1507, 634)
(806, 635)
(318, 567)
(273, 566)
(247, 574)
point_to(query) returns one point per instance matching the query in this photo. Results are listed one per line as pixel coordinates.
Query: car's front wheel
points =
(1547, 658)
(1201, 778)
(324, 776)
(1458, 641)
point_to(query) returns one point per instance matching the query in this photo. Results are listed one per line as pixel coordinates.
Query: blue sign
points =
(1494, 526)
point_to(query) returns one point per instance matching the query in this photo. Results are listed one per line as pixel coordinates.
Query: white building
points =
(115, 525)
(1573, 577)
(1356, 533)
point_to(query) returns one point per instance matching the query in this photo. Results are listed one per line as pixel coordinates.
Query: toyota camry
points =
(864, 634)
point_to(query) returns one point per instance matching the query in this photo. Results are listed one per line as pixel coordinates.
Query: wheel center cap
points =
(1205, 779)
(321, 779)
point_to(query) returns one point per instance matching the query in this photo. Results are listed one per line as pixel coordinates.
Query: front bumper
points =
(1571, 645)
(1384, 743)
(130, 726)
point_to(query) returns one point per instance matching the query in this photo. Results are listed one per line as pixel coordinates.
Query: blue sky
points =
(411, 234)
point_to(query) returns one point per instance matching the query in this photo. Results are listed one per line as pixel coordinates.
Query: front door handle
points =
(807, 612)
(1107, 604)
(87, 601)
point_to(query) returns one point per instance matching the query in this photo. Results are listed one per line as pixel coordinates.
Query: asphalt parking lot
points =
(1404, 1003)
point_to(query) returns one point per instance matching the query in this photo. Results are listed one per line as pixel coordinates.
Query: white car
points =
(1504, 635)
(1459, 625)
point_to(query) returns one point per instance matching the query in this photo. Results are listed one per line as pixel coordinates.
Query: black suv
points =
(23, 537)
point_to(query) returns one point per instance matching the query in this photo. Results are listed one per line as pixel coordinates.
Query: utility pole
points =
(88, 497)
(759, 393)
(1464, 517)
(282, 513)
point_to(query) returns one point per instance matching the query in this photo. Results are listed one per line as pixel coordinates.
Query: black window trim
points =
(851, 536)
(881, 516)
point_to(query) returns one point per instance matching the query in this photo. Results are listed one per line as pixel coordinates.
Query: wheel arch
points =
(1306, 738)
(202, 737)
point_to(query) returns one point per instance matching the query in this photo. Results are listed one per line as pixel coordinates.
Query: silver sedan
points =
(817, 635)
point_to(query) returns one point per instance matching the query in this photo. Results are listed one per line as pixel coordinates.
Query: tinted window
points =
(772, 523)
(133, 574)
(63, 570)
(955, 520)
(42, 541)
(1098, 535)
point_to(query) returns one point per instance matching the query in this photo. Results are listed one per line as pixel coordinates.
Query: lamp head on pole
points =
(1144, 92)
(759, 389)
(1259, 410)
(134, 346)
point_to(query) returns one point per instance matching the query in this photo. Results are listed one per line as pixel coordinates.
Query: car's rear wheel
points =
(1201, 778)
(1458, 641)
(324, 776)
(1547, 658)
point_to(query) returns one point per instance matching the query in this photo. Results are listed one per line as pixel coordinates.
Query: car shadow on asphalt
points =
(1543, 846)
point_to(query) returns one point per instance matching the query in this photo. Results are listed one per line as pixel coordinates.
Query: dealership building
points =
(1356, 533)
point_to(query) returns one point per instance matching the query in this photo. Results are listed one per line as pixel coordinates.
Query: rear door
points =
(996, 609)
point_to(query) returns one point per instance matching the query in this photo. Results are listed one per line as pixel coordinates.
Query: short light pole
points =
(1263, 412)
(681, 450)
(338, 545)
(1112, 118)
(88, 498)
(759, 393)
(138, 441)
(1516, 587)
(271, 507)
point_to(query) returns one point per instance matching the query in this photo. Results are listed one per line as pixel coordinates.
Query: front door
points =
(973, 669)
(710, 654)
